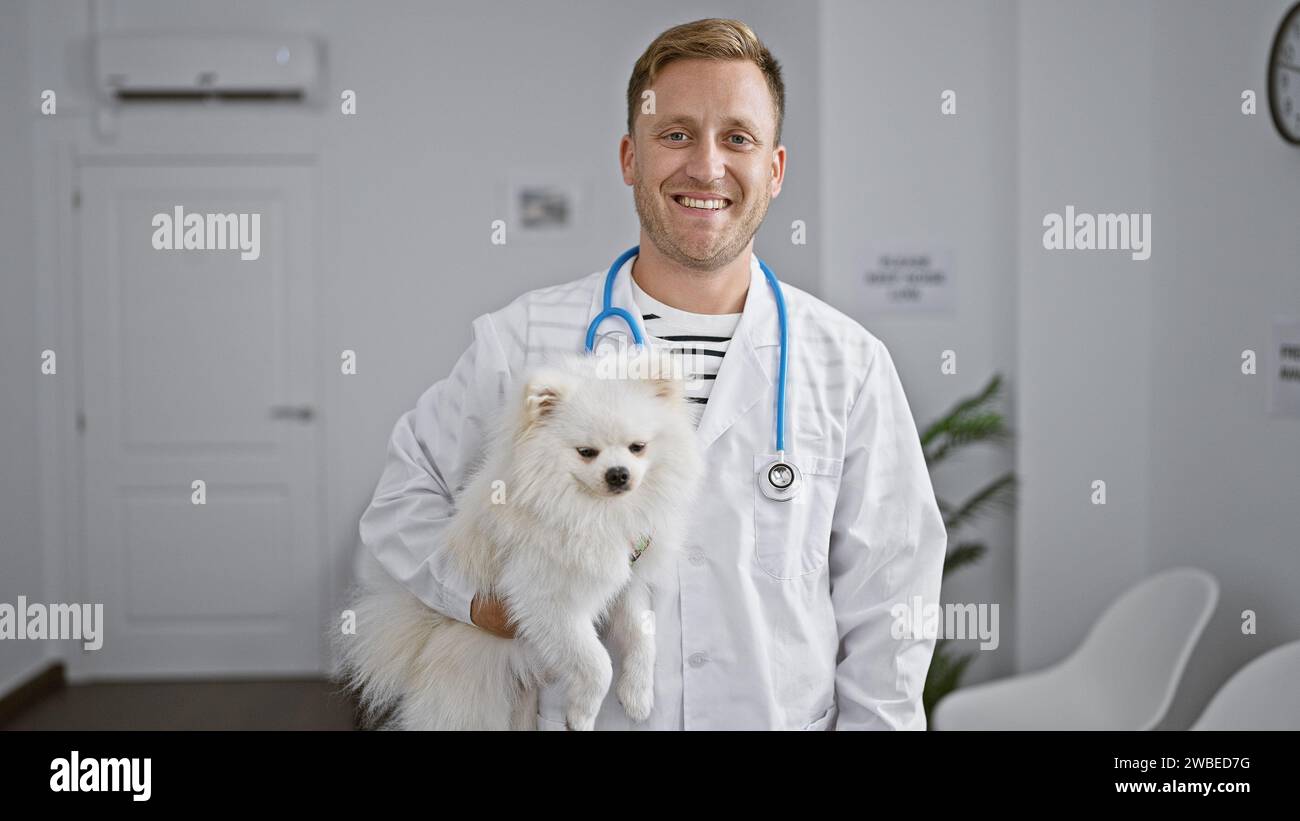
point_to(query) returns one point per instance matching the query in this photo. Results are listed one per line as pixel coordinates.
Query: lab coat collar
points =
(743, 377)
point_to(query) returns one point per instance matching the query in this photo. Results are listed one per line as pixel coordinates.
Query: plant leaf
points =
(945, 675)
(970, 429)
(961, 555)
(999, 494)
(945, 509)
(960, 409)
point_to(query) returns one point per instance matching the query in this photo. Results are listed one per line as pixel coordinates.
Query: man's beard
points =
(652, 207)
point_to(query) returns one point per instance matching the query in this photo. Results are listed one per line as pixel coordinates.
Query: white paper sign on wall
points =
(906, 280)
(1284, 369)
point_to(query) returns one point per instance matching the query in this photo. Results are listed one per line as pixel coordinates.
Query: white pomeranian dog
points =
(597, 453)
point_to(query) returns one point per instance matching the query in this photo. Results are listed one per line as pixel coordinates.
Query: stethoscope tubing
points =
(608, 310)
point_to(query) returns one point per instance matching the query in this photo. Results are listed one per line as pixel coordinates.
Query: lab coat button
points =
(697, 659)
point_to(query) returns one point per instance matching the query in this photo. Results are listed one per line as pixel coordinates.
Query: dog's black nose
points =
(616, 477)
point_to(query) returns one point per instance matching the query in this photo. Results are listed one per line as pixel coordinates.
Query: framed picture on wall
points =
(540, 206)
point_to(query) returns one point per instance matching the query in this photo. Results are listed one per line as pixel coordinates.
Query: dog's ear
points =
(546, 389)
(666, 373)
(669, 388)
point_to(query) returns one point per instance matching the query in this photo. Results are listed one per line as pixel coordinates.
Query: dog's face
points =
(604, 433)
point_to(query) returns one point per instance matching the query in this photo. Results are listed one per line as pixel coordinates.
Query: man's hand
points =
(491, 615)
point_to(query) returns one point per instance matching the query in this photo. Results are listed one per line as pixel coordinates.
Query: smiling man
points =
(703, 170)
(779, 617)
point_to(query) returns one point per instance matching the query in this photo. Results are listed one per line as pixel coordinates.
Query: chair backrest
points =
(1263, 695)
(1133, 657)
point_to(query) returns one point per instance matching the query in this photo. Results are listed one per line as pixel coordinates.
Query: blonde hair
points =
(714, 39)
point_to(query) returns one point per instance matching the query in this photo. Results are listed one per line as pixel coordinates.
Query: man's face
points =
(712, 134)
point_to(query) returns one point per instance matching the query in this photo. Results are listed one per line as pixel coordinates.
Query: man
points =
(781, 614)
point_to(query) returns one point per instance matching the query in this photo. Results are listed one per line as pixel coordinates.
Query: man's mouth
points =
(704, 204)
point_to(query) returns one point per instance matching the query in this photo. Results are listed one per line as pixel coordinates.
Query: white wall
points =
(21, 561)
(1131, 370)
(1223, 474)
(897, 170)
(1083, 319)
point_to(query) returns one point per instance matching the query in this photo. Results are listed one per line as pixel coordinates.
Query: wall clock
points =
(1284, 77)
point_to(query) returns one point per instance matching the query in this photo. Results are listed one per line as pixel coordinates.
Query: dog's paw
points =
(583, 722)
(637, 695)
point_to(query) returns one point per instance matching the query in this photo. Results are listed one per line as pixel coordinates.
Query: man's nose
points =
(706, 162)
(616, 477)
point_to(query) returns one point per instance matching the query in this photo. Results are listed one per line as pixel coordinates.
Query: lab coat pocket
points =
(792, 538)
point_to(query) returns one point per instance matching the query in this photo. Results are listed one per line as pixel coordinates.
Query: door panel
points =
(187, 353)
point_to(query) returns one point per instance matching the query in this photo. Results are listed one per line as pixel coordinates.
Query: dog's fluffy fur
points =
(556, 549)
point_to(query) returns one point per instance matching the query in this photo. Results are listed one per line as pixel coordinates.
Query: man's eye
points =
(588, 453)
(674, 134)
(743, 139)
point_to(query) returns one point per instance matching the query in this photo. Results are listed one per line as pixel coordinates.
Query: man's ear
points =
(627, 159)
(778, 170)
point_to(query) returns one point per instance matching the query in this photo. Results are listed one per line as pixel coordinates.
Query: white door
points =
(197, 366)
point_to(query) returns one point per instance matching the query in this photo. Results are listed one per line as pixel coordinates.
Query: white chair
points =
(1122, 677)
(1263, 695)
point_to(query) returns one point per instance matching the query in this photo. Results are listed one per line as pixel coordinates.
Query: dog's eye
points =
(588, 453)
(636, 447)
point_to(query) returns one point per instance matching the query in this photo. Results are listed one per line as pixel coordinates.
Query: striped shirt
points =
(702, 340)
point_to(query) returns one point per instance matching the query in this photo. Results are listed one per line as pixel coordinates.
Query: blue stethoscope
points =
(779, 479)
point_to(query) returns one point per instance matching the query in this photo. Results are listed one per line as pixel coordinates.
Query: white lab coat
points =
(779, 616)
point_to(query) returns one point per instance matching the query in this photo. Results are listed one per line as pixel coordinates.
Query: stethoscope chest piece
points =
(780, 480)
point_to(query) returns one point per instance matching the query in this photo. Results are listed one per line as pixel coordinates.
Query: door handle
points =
(300, 413)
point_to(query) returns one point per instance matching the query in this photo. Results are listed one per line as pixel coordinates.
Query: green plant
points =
(970, 421)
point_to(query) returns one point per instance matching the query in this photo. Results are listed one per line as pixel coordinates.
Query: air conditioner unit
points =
(154, 67)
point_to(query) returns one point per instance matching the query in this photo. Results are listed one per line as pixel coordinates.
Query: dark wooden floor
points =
(225, 705)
